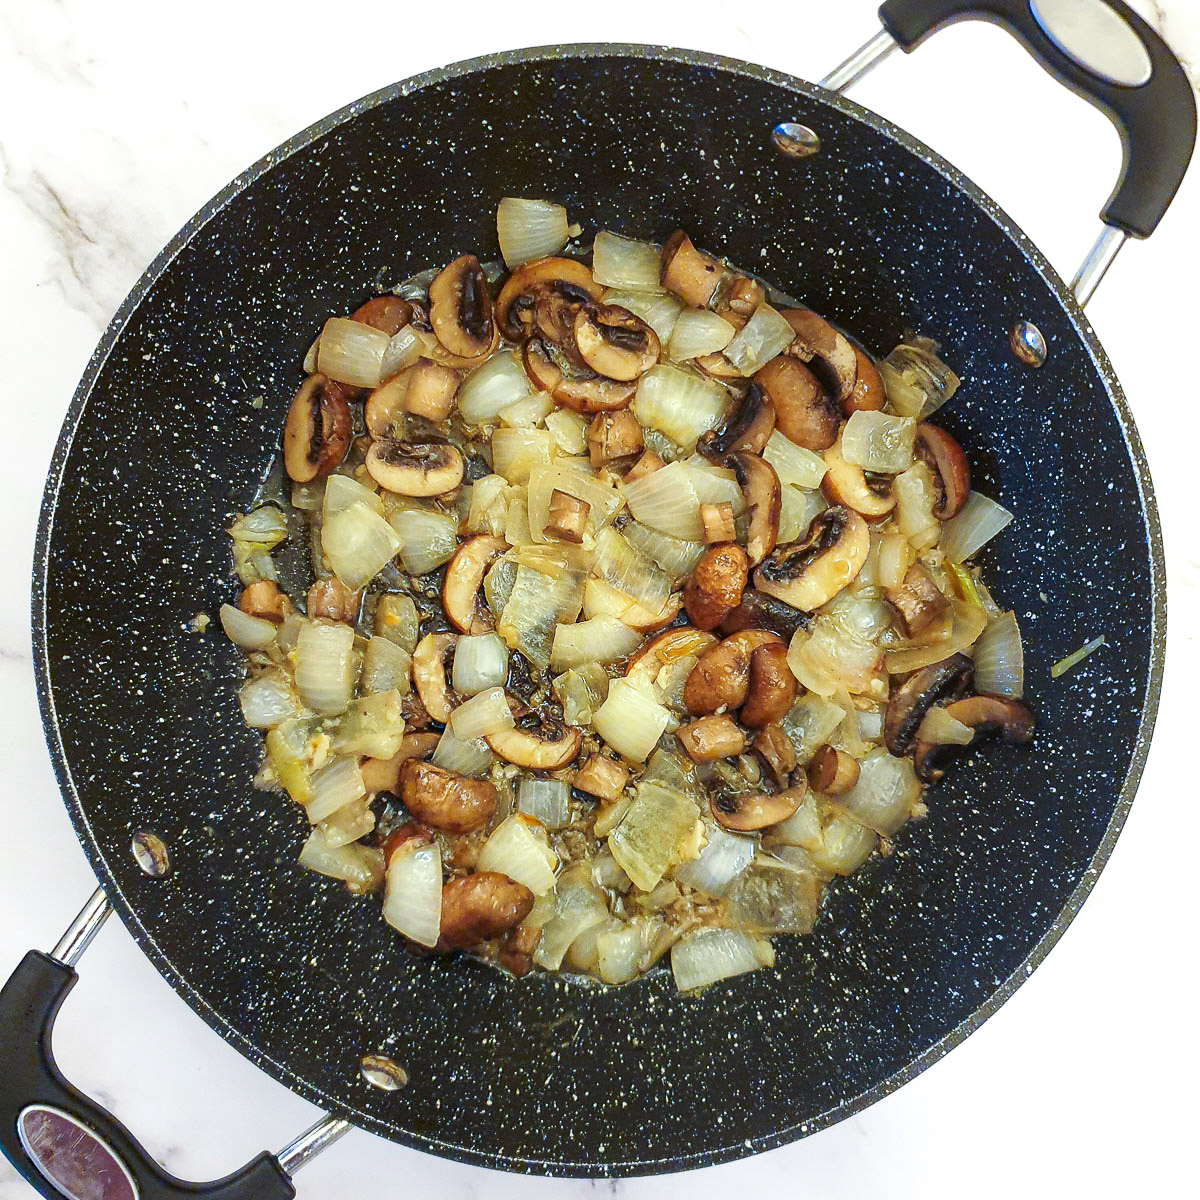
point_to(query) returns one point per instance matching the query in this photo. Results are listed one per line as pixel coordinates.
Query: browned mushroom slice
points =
(318, 430)
(868, 394)
(948, 465)
(445, 800)
(804, 413)
(554, 323)
(481, 906)
(544, 373)
(718, 523)
(760, 489)
(563, 277)
(845, 483)
(461, 595)
(747, 811)
(383, 774)
(594, 395)
(567, 517)
(667, 647)
(691, 274)
(771, 690)
(614, 342)
(738, 300)
(715, 586)
(985, 714)
(918, 600)
(807, 574)
(264, 600)
(612, 436)
(718, 366)
(388, 313)
(923, 689)
(646, 465)
(721, 679)
(774, 749)
(460, 309)
(415, 468)
(748, 427)
(546, 747)
(712, 737)
(429, 674)
(602, 777)
(831, 771)
(759, 611)
(831, 354)
(331, 600)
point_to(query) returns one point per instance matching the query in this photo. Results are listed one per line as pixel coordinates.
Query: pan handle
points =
(1105, 52)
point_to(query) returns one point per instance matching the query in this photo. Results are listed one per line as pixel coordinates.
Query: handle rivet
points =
(796, 141)
(382, 1072)
(150, 853)
(1028, 343)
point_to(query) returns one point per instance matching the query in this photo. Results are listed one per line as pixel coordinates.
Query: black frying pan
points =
(162, 445)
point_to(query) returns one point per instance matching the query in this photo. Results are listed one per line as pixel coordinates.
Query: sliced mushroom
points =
(868, 394)
(845, 483)
(771, 690)
(738, 300)
(403, 835)
(831, 354)
(462, 598)
(563, 277)
(444, 799)
(614, 342)
(646, 465)
(918, 600)
(746, 811)
(807, 574)
(717, 522)
(388, 313)
(759, 611)
(415, 468)
(832, 772)
(748, 427)
(383, 774)
(760, 489)
(264, 600)
(612, 436)
(777, 754)
(984, 714)
(331, 600)
(716, 584)
(460, 309)
(318, 430)
(481, 906)
(691, 274)
(719, 367)
(721, 679)
(426, 389)
(429, 674)
(804, 413)
(909, 703)
(550, 745)
(589, 394)
(602, 777)
(712, 737)
(948, 465)
(666, 648)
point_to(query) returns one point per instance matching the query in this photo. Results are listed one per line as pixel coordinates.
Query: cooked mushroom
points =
(719, 367)
(747, 427)
(831, 354)
(760, 489)
(567, 516)
(461, 596)
(771, 690)
(845, 483)
(548, 746)
(460, 309)
(712, 737)
(690, 273)
(332, 600)
(444, 799)
(743, 812)
(403, 835)
(383, 774)
(737, 301)
(388, 313)
(721, 679)
(807, 574)
(667, 647)
(717, 522)
(586, 394)
(868, 393)
(832, 772)
(516, 951)
(602, 777)
(426, 389)
(415, 468)
(318, 430)
(918, 600)
(646, 465)
(564, 277)
(612, 436)
(777, 754)
(481, 906)
(614, 342)
(804, 413)
(948, 465)
(429, 674)
(984, 714)
(759, 611)
(264, 600)
(715, 586)
(923, 689)
(554, 322)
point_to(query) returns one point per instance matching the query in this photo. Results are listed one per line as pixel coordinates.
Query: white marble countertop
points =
(122, 118)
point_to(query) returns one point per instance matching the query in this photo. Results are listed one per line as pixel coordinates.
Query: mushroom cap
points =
(690, 273)
(748, 427)
(415, 468)
(869, 394)
(760, 611)
(832, 771)
(845, 483)
(772, 687)
(429, 674)
(948, 465)
(804, 412)
(909, 703)
(721, 679)
(464, 577)
(444, 799)
(551, 745)
(810, 573)
(831, 353)
(747, 811)
(318, 429)
(389, 313)
(460, 309)
(775, 751)
(614, 342)
(564, 277)
(716, 583)
(479, 907)
(761, 491)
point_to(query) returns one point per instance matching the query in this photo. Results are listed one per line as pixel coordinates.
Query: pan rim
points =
(696, 1159)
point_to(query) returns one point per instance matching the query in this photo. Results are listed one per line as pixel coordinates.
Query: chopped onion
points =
(480, 661)
(309, 497)
(516, 451)
(352, 352)
(359, 866)
(764, 336)
(268, 700)
(619, 262)
(666, 500)
(498, 583)
(339, 783)
(465, 758)
(575, 477)
(802, 828)
(287, 755)
(809, 723)
(1000, 658)
(870, 724)
(966, 623)
(710, 955)
(251, 633)
(698, 332)
(516, 524)
(724, 857)
(403, 349)
(858, 612)
(529, 229)
(914, 506)
(621, 949)
(396, 619)
(325, 668)
(885, 792)
(631, 720)
(484, 714)
(677, 556)
(660, 312)
(879, 442)
(569, 430)
(581, 692)
(537, 603)
(358, 544)
(515, 850)
(348, 824)
(527, 413)
(916, 381)
(773, 897)
(896, 555)
(412, 902)
(546, 800)
(679, 403)
(846, 845)
(600, 640)
(341, 491)
(488, 512)
(979, 521)
(426, 539)
(794, 464)
(372, 726)
(310, 357)
(940, 728)
(713, 484)
(386, 667)
(578, 906)
(491, 388)
(629, 572)
(797, 509)
(658, 830)
(1076, 657)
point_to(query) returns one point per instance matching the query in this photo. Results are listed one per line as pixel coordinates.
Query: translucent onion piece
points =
(403, 349)
(675, 772)
(264, 526)
(339, 783)
(619, 262)
(764, 336)
(488, 512)
(724, 857)
(492, 388)
(527, 413)
(870, 725)
(348, 824)
(268, 700)
(482, 715)
(914, 506)
(412, 902)
(916, 381)
(529, 229)
(713, 484)
(581, 692)
(372, 726)
(516, 525)
(600, 640)
(621, 948)
(660, 312)
(886, 790)
(710, 955)
(287, 754)
(359, 866)
(858, 613)
(358, 544)
(626, 570)
(537, 603)
(516, 451)
(310, 357)
(966, 624)
(940, 728)
(979, 521)
(515, 850)
(578, 906)
(658, 830)
(631, 720)
(386, 667)
(802, 828)
(1000, 658)
(427, 539)
(677, 556)
(845, 846)
(396, 619)
(797, 508)
(773, 897)
(569, 430)
(895, 557)
(679, 403)
(794, 464)
(480, 661)
(466, 758)
(879, 442)
(546, 800)
(325, 667)
(341, 492)
(251, 633)
(352, 352)
(309, 497)
(809, 723)
(666, 500)
(698, 332)
(498, 584)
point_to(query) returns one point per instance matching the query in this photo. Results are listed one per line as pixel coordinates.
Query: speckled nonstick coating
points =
(162, 445)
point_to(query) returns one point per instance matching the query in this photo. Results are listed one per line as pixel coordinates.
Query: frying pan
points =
(162, 445)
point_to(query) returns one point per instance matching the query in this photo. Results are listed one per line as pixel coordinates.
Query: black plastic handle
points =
(1156, 119)
(31, 1084)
